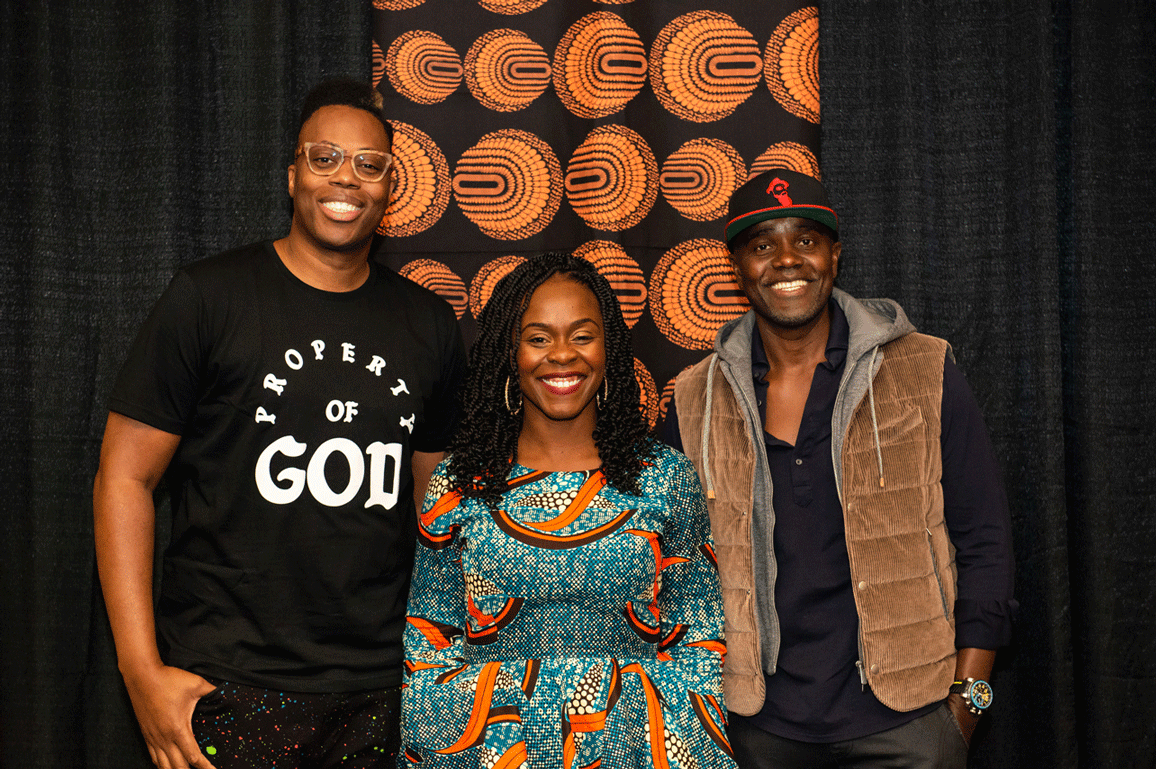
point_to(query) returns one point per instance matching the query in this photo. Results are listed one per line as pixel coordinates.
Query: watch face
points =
(980, 694)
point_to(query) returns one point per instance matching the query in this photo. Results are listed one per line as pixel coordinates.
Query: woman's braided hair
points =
(487, 438)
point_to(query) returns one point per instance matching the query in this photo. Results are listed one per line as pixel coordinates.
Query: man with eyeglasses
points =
(294, 394)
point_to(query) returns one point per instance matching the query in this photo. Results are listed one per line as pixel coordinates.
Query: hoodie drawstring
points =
(709, 481)
(874, 419)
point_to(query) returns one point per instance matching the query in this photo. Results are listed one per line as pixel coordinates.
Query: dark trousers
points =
(240, 727)
(933, 741)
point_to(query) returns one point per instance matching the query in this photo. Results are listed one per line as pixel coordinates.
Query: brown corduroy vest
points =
(902, 562)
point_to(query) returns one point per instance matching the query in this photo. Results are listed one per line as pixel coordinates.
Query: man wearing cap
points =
(861, 526)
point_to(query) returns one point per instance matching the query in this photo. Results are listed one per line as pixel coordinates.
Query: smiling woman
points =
(498, 426)
(561, 360)
(565, 563)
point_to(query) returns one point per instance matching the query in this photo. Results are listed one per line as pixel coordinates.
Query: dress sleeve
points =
(689, 597)
(436, 615)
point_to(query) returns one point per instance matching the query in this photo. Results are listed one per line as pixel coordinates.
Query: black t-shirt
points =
(292, 493)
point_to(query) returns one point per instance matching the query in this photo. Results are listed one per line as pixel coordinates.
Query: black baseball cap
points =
(776, 194)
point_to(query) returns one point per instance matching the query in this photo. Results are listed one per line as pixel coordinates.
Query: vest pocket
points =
(938, 579)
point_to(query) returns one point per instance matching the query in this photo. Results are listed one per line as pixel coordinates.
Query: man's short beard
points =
(799, 321)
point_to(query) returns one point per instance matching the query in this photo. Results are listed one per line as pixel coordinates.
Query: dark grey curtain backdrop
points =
(992, 164)
(136, 135)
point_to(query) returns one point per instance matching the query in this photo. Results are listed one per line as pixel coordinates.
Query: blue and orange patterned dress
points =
(574, 627)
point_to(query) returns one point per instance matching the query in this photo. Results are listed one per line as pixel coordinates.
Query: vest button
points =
(862, 585)
(798, 461)
(874, 668)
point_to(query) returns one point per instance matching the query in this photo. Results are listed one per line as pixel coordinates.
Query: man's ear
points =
(835, 251)
(292, 179)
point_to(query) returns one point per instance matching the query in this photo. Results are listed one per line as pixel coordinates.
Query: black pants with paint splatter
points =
(246, 727)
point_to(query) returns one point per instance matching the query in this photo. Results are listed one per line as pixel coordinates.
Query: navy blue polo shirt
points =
(816, 695)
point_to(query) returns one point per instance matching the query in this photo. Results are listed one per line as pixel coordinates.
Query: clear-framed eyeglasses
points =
(325, 159)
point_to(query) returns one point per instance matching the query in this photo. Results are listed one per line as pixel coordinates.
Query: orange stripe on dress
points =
(615, 685)
(714, 645)
(479, 616)
(581, 501)
(446, 502)
(708, 549)
(488, 625)
(525, 478)
(653, 716)
(511, 608)
(714, 704)
(588, 722)
(652, 538)
(514, 756)
(673, 637)
(713, 730)
(569, 749)
(476, 724)
(535, 538)
(647, 633)
(433, 541)
(436, 633)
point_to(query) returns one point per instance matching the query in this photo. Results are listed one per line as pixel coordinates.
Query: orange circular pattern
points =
(693, 293)
(421, 183)
(667, 395)
(648, 392)
(440, 279)
(509, 184)
(482, 286)
(623, 274)
(378, 64)
(506, 70)
(599, 65)
(396, 5)
(612, 177)
(703, 65)
(791, 64)
(790, 155)
(423, 67)
(510, 7)
(699, 177)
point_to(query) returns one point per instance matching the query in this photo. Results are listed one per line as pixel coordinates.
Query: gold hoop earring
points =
(506, 393)
(603, 394)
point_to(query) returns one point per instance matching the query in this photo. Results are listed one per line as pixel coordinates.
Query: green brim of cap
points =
(817, 213)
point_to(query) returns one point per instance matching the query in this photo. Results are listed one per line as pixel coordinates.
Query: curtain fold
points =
(1109, 394)
(991, 165)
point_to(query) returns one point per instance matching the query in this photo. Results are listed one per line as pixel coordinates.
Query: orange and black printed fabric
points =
(614, 130)
(574, 626)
